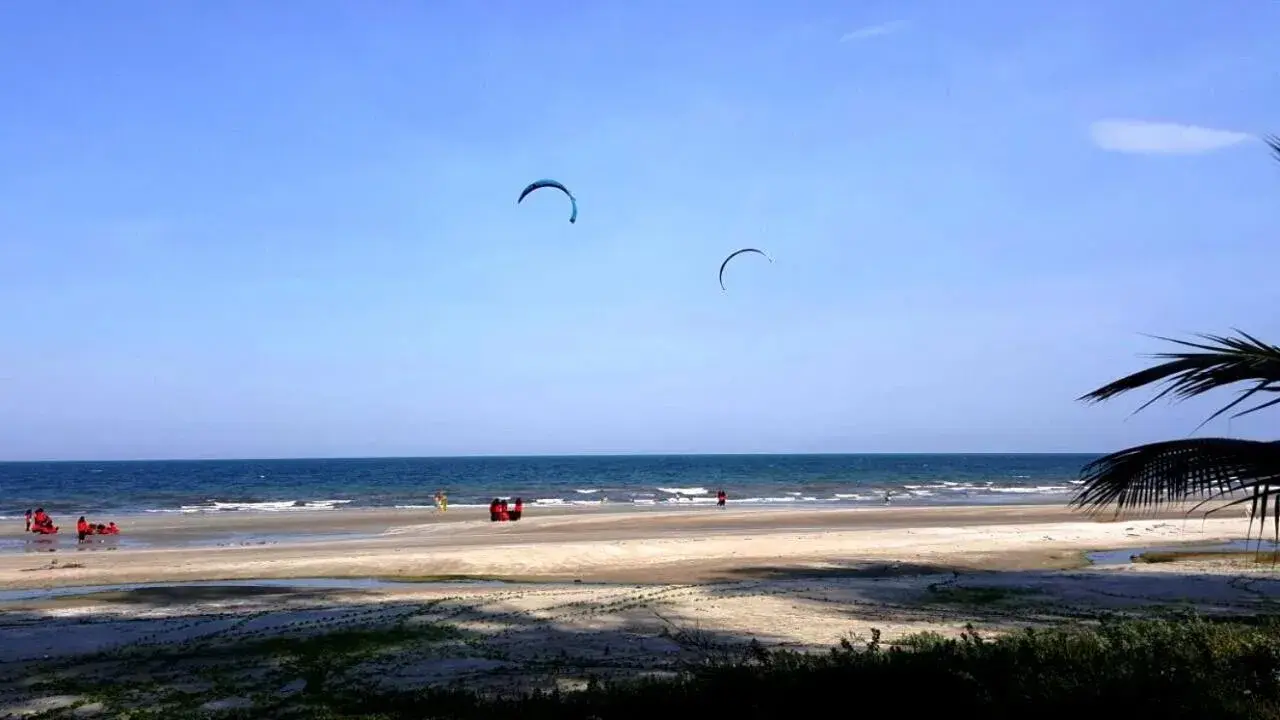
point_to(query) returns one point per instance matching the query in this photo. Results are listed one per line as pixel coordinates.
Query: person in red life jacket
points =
(517, 510)
(721, 497)
(100, 529)
(28, 520)
(111, 529)
(494, 508)
(503, 514)
(83, 529)
(42, 524)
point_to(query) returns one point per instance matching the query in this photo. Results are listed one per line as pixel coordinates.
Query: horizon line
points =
(545, 456)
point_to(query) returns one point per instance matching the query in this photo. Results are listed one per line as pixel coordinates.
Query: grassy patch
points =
(958, 595)
(344, 643)
(1243, 556)
(158, 682)
(1177, 668)
(1173, 669)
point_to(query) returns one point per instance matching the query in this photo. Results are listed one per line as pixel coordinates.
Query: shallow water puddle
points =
(1127, 555)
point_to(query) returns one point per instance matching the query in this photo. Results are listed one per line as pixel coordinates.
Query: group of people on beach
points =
(40, 523)
(84, 529)
(499, 511)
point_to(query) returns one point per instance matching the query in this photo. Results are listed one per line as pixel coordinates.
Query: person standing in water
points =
(721, 497)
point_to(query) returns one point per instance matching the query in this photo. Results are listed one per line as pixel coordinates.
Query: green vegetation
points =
(1180, 668)
(1199, 468)
(345, 643)
(1173, 668)
(953, 594)
(1269, 558)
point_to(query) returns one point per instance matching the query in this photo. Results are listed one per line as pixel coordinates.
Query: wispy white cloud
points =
(1156, 138)
(871, 31)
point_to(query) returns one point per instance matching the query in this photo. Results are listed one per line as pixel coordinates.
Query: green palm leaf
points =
(1219, 362)
(1149, 476)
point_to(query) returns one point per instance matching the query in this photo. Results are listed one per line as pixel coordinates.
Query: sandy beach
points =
(582, 594)
(648, 546)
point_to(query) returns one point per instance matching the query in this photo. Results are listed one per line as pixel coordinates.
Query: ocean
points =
(116, 488)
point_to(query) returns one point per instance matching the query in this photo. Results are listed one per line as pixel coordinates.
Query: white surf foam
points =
(274, 506)
(684, 491)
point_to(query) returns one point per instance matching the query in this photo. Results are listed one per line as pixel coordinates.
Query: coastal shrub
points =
(1172, 668)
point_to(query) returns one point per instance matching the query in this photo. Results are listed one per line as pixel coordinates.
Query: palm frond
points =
(1219, 362)
(1273, 141)
(1150, 476)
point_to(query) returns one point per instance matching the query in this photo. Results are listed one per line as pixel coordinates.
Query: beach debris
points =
(54, 565)
(546, 183)
(735, 254)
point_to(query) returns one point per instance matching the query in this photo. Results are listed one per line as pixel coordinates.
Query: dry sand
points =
(671, 546)
(607, 594)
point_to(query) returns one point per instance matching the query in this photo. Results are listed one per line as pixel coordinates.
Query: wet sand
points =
(686, 545)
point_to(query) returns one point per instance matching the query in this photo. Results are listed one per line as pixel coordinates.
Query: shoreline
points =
(222, 529)
(203, 529)
(672, 545)
(308, 508)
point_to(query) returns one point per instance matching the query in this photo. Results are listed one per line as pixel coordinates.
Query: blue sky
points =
(232, 228)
